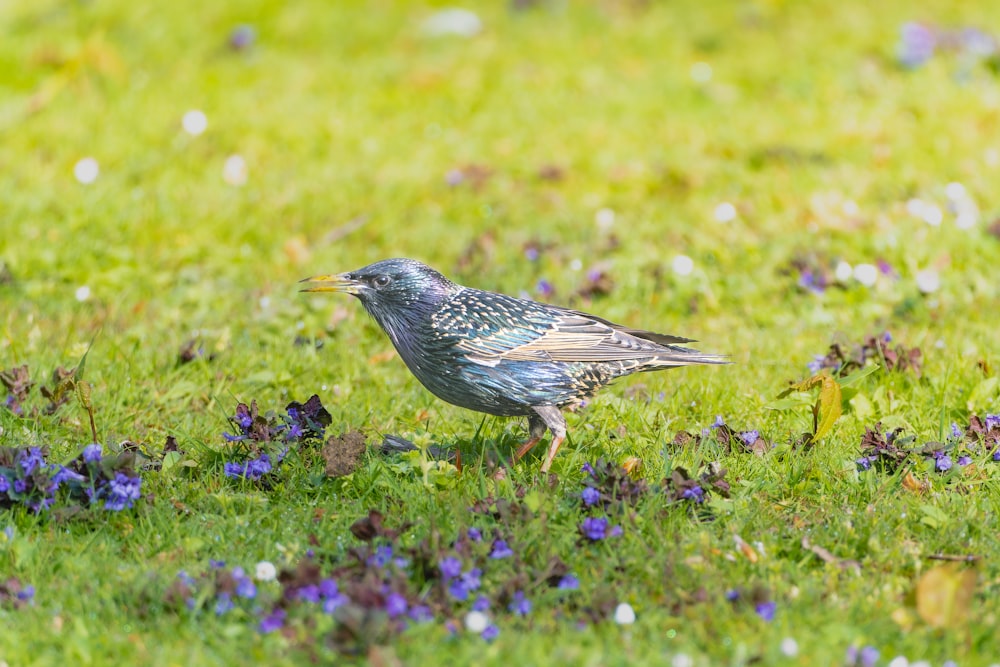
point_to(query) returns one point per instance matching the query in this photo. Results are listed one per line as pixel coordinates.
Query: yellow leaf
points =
(829, 409)
(944, 595)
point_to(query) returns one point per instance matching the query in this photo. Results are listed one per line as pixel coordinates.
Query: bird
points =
(499, 354)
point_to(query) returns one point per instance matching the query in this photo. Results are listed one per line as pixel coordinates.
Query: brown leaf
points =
(944, 595)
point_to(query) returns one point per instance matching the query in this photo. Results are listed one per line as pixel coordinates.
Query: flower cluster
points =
(733, 439)
(108, 481)
(840, 362)
(888, 451)
(18, 383)
(265, 439)
(758, 599)
(219, 589)
(918, 42)
(14, 594)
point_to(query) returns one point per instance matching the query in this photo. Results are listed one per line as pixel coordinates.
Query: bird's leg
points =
(536, 429)
(552, 417)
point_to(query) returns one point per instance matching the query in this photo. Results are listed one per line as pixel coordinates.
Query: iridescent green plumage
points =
(499, 354)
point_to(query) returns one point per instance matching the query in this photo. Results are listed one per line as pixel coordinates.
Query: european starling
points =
(501, 355)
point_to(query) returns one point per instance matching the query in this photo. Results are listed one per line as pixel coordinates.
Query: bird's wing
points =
(518, 330)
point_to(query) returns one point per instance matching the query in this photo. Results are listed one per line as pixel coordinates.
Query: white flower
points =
(82, 293)
(605, 218)
(234, 171)
(725, 212)
(928, 281)
(789, 647)
(683, 265)
(682, 660)
(624, 614)
(194, 122)
(954, 191)
(476, 622)
(843, 272)
(265, 571)
(701, 72)
(899, 661)
(866, 274)
(86, 170)
(460, 22)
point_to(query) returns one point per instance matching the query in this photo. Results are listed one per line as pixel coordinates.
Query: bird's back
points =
(500, 354)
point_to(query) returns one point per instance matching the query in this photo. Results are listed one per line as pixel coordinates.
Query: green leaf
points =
(862, 407)
(857, 375)
(794, 400)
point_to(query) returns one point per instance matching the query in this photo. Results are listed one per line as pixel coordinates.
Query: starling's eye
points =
(381, 280)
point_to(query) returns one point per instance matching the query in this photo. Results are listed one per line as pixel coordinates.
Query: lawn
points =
(807, 187)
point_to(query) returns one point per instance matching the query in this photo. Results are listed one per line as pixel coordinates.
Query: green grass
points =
(348, 112)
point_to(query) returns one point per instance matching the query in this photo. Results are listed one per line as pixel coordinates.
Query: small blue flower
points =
(520, 605)
(590, 496)
(766, 610)
(475, 534)
(245, 588)
(122, 492)
(216, 564)
(568, 583)
(501, 550)
(273, 621)
(695, 493)
(750, 437)
(942, 463)
(594, 528)
(491, 632)
(733, 594)
(956, 432)
(589, 469)
(450, 567)
(964, 460)
(916, 44)
(223, 603)
(233, 469)
(396, 605)
(309, 593)
(991, 422)
(382, 556)
(719, 422)
(482, 603)
(865, 462)
(92, 453)
(544, 289)
(4, 484)
(421, 613)
(31, 459)
(256, 468)
(26, 593)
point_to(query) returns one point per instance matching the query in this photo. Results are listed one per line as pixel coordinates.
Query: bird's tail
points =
(675, 355)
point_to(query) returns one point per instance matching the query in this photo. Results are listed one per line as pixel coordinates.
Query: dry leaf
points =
(944, 595)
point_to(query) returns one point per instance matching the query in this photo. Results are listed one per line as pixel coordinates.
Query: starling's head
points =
(392, 288)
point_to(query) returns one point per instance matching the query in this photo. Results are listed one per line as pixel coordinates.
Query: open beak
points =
(335, 283)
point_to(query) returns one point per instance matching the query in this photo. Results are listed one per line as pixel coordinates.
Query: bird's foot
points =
(526, 447)
(557, 440)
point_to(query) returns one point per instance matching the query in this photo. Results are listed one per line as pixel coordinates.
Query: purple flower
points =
(996, 454)
(186, 578)
(916, 44)
(719, 422)
(461, 587)
(216, 564)
(64, 474)
(531, 253)
(245, 588)
(544, 289)
(474, 534)
(594, 528)
(750, 437)
(865, 462)
(733, 594)
(589, 469)
(4, 484)
(520, 605)
(122, 492)
(294, 432)
(92, 453)
(243, 418)
(482, 603)
(616, 531)
(810, 281)
(223, 603)
(695, 493)
(26, 593)
(232, 469)
(766, 610)
(501, 550)
(590, 496)
(956, 432)
(273, 621)
(256, 468)
(309, 593)
(382, 556)
(332, 597)
(450, 567)
(964, 460)
(491, 632)
(568, 583)
(20, 486)
(31, 459)
(866, 657)
(396, 605)
(242, 37)
(992, 421)
(421, 613)
(942, 463)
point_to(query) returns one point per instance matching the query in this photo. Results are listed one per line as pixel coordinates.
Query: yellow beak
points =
(333, 283)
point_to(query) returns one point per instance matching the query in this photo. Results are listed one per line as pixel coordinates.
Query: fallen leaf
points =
(944, 595)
